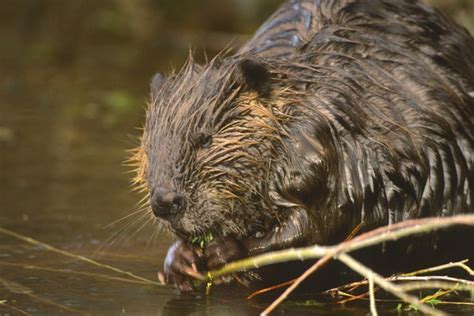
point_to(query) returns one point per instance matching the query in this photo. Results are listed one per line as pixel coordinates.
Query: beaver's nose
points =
(165, 203)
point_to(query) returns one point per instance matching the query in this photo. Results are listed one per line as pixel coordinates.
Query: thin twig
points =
(455, 303)
(355, 285)
(353, 297)
(460, 264)
(406, 228)
(14, 308)
(386, 285)
(271, 288)
(70, 272)
(295, 284)
(432, 279)
(423, 285)
(373, 310)
(71, 255)
(17, 288)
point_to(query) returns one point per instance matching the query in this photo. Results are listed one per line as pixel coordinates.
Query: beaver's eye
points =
(204, 140)
(207, 141)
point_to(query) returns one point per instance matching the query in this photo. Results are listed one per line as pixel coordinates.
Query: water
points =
(63, 182)
(70, 108)
(73, 86)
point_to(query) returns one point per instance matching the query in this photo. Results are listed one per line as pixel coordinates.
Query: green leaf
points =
(399, 307)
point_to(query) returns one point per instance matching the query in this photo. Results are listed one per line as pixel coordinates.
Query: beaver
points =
(335, 113)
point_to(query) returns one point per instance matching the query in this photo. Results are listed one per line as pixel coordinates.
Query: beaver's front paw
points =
(223, 250)
(181, 265)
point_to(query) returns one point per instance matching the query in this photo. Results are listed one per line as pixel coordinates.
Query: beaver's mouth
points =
(205, 234)
(240, 224)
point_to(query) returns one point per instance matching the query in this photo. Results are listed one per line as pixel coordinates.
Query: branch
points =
(295, 284)
(386, 285)
(377, 236)
(423, 285)
(412, 276)
(373, 310)
(460, 264)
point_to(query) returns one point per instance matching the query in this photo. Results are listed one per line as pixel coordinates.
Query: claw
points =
(194, 273)
(181, 266)
(161, 278)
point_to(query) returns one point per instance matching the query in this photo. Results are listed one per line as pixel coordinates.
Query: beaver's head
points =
(208, 149)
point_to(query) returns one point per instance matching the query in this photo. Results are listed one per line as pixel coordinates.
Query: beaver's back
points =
(396, 80)
(295, 24)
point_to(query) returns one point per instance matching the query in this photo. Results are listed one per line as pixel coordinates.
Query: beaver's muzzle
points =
(166, 203)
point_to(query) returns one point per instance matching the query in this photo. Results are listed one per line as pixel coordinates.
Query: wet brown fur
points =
(367, 118)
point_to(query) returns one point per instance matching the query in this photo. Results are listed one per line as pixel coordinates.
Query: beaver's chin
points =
(230, 229)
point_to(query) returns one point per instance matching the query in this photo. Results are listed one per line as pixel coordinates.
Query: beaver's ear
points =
(255, 76)
(156, 84)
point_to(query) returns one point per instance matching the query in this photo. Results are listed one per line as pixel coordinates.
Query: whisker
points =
(145, 221)
(132, 221)
(123, 218)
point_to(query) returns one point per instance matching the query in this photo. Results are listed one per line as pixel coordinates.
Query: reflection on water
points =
(73, 84)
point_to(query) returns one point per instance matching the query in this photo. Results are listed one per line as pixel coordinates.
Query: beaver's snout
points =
(166, 203)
